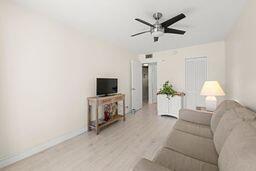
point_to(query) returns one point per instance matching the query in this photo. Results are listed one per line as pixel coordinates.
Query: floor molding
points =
(27, 153)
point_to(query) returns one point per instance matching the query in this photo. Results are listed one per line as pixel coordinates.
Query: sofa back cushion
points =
(221, 109)
(239, 150)
(228, 122)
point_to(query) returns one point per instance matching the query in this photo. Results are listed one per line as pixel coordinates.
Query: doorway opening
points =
(145, 84)
(149, 77)
(149, 83)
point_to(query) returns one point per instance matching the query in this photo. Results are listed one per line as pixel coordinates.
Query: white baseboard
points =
(27, 153)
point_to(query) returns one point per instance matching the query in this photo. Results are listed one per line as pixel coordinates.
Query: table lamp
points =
(210, 90)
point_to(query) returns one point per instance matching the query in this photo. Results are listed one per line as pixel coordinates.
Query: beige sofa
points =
(201, 141)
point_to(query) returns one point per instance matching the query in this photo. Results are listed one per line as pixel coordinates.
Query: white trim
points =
(29, 152)
(192, 58)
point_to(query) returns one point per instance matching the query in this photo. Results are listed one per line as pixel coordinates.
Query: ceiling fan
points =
(158, 29)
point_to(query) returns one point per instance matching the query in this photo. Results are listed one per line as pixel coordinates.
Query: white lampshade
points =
(212, 88)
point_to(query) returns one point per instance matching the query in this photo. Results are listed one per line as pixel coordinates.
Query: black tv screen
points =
(106, 86)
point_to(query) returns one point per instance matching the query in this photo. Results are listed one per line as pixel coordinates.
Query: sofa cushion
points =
(196, 116)
(221, 109)
(228, 122)
(239, 150)
(147, 165)
(179, 162)
(193, 146)
(193, 128)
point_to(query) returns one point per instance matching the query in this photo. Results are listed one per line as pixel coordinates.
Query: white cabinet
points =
(170, 106)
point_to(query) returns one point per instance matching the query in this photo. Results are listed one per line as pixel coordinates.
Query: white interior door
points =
(136, 84)
(152, 79)
(196, 75)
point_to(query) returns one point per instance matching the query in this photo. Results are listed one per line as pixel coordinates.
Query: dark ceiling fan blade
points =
(155, 39)
(139, 33)
(173, 20)
(173, 31)
(144, 22)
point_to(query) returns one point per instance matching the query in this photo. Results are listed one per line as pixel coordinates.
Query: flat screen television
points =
(106, 86)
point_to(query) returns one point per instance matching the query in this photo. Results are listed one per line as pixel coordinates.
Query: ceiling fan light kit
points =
(158, 29)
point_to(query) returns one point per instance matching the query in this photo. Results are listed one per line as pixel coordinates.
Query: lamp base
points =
(210, 103)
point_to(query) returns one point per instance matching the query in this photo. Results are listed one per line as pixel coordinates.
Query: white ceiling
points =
(113, 20)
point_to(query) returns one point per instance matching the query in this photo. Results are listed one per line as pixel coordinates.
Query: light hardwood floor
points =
(116, 148)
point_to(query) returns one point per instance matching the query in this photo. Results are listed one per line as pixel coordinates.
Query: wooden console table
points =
(96, 102)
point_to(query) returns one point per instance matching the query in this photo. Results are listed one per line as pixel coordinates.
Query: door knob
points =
(133, 88)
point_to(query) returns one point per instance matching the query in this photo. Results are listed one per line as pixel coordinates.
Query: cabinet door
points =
(176, 106)
(162, 105)
(170, 106)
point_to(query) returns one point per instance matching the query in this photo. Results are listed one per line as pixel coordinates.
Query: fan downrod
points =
(157, 15)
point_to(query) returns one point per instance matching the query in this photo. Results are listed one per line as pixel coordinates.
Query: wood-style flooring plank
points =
(118, 147)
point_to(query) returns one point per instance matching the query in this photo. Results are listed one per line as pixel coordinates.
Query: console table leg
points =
(97, 118)
(124, 110)
(89, 116)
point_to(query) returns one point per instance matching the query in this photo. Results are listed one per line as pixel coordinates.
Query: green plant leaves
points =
(168, 90)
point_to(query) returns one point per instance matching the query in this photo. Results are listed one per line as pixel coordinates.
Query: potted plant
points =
(167, 90)
(169, 101)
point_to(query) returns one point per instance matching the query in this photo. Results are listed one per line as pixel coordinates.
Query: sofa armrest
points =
(199, 117)
(147, 165)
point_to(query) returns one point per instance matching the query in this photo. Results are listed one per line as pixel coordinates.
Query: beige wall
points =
(241, 58)
(47, 71)
(171, 64)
